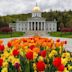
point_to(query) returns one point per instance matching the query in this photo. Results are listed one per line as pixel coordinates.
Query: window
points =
(22, 29)
(53, 28)
(36, 25)
(29, 22)
(33, 26)
(50, 28)
(25, 28)
(39, 25)
(46, 28)
(30, 26)
(19, 29)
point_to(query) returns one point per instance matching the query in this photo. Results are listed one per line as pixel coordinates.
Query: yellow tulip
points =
(64, 61)
(6, 54)
(69, 67)
(4, 69)
(40, 58)
(15, 60)
(35, 55)
(54, 52)
(51, 55)
(10, 58)
(34, 66)
(35, 71)
(66, 55)
(65, 70)
(5, 64)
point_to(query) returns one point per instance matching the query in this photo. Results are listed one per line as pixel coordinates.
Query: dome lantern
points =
(36, 8)
(36, 12)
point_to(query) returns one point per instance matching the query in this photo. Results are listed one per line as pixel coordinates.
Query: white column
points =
(41, 25)
(28, 26)
(34, 26)
(44, 26)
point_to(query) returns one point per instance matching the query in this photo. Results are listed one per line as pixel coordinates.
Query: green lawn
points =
(13, 34)
(61, 34)
(19, 34)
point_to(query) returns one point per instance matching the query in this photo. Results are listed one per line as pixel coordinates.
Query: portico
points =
(36, 26)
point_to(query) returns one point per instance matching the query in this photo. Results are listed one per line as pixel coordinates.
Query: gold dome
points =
(36, 9)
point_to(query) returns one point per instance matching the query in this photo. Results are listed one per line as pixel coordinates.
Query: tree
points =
(61, 25)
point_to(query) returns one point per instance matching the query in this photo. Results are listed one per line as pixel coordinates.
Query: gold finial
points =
(36, 8)
(36, 4)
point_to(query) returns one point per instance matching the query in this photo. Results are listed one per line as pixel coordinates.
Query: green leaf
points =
(22, 63)
(0, 69)
(11, 68)
(31, 66)
(27, 67)
(57, 49)
(47, 69)
(41, 48)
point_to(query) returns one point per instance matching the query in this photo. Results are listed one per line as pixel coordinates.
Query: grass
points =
(19, 34)
(13, 34)
(61, 34)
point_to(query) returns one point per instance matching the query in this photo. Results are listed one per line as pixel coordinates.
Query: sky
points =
(9, 7)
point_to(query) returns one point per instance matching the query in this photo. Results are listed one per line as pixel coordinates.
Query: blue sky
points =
(8, 7)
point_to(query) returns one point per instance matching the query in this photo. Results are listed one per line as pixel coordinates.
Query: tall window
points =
(42, 25)
(39, 25)
(26, 28)
(22, 29)
(50, 29)
(29, 25)
(33, 26)
(36, 25)
(19, 29)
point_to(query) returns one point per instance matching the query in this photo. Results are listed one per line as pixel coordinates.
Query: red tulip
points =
(17, 65)
(1, 62)
(24, 40)
(58, 40)
(61, 68)
(43, 53)
(40, 66)
(57, 62)
(9, 44)
(29, 55)
(15, 52)
(1, 48)
(65, 42)
(31, 47)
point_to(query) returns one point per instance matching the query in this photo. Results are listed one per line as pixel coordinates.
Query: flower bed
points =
(35, 54)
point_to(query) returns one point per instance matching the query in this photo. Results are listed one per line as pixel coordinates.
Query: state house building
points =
(35, 23)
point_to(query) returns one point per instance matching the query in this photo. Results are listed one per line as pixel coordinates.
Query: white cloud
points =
(25, 6)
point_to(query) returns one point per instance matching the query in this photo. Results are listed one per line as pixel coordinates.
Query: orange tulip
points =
(58, 44)
(37, 50)
(49, 44)
(1, 41)
(44, 44)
